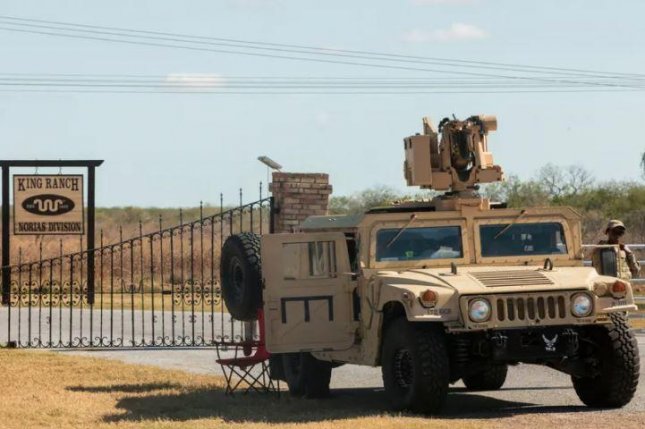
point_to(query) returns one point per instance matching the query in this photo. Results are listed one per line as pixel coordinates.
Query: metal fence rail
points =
(159, 289)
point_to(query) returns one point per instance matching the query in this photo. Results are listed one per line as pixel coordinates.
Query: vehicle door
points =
(307, 292)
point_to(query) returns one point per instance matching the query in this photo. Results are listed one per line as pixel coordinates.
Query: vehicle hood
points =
(498, 279)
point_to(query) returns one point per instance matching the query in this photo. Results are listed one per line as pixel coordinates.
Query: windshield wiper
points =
(398, 234)
(507, 227)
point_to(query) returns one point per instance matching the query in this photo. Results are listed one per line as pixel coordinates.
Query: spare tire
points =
(241, 275)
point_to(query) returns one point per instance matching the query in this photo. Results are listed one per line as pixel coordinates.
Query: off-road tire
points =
(276, 367)
(306, 376)
(490, 379)
(415, 366)
(619, 366)
(240, 272)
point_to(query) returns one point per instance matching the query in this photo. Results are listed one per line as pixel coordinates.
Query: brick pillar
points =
(298, 196)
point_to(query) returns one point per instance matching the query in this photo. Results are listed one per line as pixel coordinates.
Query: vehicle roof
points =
(332, 221)
(354, 221)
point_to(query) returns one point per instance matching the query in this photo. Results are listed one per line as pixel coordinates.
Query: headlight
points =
(581, 305)
(479, 310)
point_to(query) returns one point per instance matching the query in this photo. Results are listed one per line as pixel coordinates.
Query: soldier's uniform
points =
(628, 266)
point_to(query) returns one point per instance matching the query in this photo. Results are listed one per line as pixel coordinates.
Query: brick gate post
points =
(298, 196)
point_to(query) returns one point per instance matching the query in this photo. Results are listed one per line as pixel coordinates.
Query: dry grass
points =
(44, 389)
(117, 223)
(637, 323)
(158, 302)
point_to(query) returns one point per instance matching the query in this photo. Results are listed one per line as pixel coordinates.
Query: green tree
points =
(364, 200)
(518, 193)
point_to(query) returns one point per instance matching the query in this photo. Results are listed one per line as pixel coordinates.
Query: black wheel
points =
(491, 379)
(276, 367)
(306, 375)
(240, 272)
(415, 367)
(615, 351)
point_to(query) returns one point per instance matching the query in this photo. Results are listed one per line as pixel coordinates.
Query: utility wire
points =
(206, 78)
(217, 82)
(191, 87)
(311, 49)
(55, 31)
(93, 91)
(198, 75)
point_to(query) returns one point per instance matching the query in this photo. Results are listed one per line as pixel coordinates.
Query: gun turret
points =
(458, 162)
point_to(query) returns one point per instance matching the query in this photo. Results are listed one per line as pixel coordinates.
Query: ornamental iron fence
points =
(158, 289)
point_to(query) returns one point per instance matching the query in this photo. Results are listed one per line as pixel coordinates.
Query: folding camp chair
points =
(248, 369)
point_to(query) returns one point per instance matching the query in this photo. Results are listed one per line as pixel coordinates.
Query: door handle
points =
(353, 276)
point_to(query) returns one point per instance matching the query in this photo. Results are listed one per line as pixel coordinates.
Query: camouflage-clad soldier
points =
(628, 266)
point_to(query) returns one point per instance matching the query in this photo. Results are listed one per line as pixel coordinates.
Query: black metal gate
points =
(159, 289)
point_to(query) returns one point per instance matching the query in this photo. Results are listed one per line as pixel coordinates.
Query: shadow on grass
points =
(507, 389)
(204, 403)
(125, 388)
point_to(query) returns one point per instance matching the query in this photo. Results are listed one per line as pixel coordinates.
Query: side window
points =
(322, 259)
(310, 260)
(352, 251)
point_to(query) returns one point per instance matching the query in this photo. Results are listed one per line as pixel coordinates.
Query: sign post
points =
(48, 205)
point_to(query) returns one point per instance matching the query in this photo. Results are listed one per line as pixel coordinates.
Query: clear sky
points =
(178, 149)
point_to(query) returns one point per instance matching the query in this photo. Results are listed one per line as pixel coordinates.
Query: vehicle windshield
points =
(419, 243)
(522, 239)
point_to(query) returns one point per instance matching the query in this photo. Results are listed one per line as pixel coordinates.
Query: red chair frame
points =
(250, 371)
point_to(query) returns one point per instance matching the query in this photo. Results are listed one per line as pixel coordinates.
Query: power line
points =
(249, 44)
(204, 77)
(187, 83)
(331, 86)
(242, 77)
(310, 92)
(55, 31)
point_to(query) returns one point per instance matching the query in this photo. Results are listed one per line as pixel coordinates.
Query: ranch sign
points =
(48, 204)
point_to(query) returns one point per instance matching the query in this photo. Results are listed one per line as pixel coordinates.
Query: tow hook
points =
(572, 344)
(499, 340)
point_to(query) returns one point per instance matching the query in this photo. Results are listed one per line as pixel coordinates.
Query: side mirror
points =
(608, 262)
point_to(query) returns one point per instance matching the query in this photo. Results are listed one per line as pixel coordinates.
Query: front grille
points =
(533, 308)
(519, 310)
(511, 278)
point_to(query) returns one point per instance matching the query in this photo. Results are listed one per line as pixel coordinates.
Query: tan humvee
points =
(456, 288)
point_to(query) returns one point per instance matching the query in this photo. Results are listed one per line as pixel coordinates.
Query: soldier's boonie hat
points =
(615, 223)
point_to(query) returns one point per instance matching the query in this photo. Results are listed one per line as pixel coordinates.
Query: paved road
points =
(529, 388)
(119, 327)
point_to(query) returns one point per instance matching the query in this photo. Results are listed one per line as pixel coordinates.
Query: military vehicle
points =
(456, 288)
